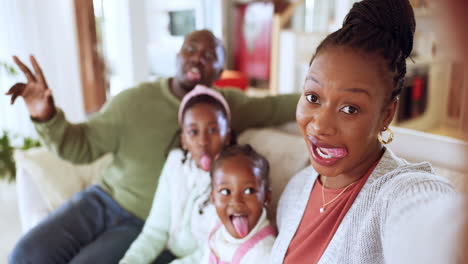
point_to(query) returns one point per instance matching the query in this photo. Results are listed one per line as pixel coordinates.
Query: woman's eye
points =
(350, 110)
(312, 98)
(249, 191)
(224, 192)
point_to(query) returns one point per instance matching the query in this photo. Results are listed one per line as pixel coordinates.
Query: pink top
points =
(243, 248)
(317, 229)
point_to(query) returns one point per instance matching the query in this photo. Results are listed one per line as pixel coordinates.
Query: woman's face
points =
(344, 105)
(205, 132)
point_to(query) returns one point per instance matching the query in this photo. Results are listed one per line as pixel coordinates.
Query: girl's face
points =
(205, 132)
(344, 105)
(238, 195)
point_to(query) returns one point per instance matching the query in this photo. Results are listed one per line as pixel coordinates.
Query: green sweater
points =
(136, 126)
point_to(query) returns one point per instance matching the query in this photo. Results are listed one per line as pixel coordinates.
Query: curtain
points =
(46, 29)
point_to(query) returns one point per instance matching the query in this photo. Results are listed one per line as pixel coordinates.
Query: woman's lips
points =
(326, 154)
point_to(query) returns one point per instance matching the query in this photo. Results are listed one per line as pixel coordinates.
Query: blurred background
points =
(91, 50)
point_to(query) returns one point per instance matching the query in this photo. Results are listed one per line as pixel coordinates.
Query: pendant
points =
(322, 210)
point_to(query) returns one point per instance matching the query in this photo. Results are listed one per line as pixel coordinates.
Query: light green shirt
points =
(136, 126)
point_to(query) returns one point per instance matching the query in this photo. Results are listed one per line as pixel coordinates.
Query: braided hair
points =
(384, 27)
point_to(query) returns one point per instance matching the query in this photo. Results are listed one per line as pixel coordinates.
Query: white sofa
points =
(45, 181)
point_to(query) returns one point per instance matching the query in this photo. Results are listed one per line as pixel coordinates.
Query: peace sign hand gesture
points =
(36, 93)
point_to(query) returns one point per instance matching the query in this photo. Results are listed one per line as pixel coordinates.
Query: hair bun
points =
(392, 16)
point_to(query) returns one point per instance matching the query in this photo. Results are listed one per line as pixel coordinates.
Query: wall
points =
(124, 36)
(162, 46)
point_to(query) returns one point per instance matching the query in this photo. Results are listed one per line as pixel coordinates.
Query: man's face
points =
(199, 61)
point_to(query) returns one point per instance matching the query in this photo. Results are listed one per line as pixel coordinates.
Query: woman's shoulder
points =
(394, 174)
(303, 175)
(300, 179)
(296, 190)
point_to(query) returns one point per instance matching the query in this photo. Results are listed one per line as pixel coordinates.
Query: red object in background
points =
(417, 93)
(233, 79)
(252, 39)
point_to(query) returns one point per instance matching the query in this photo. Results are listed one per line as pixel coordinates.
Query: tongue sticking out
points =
(335, 152)
(205, 162)
(241, 225)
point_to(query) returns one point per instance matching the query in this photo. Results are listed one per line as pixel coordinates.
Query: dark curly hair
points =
(383, 27)
(258, 161)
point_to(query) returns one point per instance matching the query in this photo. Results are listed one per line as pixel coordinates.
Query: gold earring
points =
(390, 136)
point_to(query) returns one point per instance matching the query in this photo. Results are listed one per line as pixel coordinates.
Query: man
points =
(100, 223)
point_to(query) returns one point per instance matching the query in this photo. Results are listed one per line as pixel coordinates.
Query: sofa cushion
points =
(57, 179)
(286, 153)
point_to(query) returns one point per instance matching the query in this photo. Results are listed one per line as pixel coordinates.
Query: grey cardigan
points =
(367, 233)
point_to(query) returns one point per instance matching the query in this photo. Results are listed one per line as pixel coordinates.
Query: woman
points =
(346, 207)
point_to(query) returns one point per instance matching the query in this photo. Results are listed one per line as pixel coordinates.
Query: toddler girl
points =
(240, 193)
(179, 220)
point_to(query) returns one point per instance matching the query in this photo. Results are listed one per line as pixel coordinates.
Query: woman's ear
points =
(389, 113)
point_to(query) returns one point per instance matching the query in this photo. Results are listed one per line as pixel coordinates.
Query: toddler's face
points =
(238, 195)
(204, 133)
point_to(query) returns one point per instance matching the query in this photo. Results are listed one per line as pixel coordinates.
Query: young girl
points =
(240, 193)
(179, 221)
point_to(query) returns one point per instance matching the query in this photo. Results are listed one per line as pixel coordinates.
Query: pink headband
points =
(203, 90)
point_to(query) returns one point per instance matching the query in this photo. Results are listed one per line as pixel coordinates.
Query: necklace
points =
(324, 204)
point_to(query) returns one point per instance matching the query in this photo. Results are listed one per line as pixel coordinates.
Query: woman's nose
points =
(323, 123)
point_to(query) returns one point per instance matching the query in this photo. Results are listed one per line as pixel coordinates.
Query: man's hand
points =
(36, 93)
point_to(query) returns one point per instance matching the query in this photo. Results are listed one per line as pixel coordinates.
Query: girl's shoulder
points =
(260, 252)
(175, 157)
(174, 162)
(181, 168)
